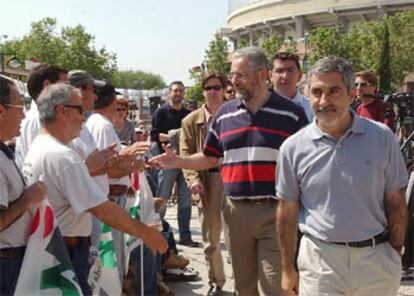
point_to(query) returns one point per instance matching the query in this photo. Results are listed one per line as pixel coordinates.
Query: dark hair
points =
(208, 76)
(105, 96)
(369, 76)
(5, 91)
(287, 56)
(175, 82)
(41, 73)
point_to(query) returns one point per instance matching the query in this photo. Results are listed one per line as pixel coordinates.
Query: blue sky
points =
(160, 36)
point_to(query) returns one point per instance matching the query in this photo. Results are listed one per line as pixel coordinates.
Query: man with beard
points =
(166, 123)
(247, 133)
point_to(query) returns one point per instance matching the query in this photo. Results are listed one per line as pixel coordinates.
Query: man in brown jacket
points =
(207, 184)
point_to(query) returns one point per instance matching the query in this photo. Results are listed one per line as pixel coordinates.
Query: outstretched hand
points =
(167, 160)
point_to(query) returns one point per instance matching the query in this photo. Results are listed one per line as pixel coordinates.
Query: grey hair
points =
(334, 64)
(256, 56)
(52, 96)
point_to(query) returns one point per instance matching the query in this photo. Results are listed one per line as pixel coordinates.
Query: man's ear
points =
(46, 82)
(2, 111)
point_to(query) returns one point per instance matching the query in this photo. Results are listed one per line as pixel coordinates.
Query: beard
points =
(244, 95)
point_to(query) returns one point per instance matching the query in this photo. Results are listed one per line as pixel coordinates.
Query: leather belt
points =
(371, 242)
(257, 200)
(12, 253)
(214, 170)
(76, 240)
(117, 190)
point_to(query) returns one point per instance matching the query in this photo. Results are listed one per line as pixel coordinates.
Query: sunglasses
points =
(230, 91)
(215, 87)
(15, 106)
(361, 84)
(121, 109)
(77, 107)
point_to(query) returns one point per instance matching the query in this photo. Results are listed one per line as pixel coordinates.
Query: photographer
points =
(371, 106)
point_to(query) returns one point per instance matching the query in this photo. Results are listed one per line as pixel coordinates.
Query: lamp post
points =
(305, 56)
(14, 62)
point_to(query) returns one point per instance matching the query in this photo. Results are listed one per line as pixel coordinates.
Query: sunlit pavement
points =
(196, 256)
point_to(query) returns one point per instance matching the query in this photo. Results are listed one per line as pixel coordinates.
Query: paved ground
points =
(196, 256)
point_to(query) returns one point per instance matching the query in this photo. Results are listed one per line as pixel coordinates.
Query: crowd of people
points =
(308, 193)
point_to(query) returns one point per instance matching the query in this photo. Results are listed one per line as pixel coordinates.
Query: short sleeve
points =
(396, 175)
(86, 194)
(212, 146)
(287, 185)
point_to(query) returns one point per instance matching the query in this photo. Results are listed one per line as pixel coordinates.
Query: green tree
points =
(217, 56)
(290, 44)
(271, 45)
(137, 80)
(384, 69)
(71, 48)
(195, 93)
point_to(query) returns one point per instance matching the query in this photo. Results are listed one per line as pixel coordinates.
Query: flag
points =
(103, 276)
(46, 267)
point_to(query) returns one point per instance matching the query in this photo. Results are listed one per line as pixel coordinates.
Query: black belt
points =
(12, 253)
(214, 170)
(76, 240)
(371, 242)
(257, 200)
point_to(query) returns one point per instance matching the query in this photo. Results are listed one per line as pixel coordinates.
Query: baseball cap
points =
(105, 95)
(81, 77)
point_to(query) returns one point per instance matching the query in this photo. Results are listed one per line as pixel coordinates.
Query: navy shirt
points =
(166, 118)
(249, 144)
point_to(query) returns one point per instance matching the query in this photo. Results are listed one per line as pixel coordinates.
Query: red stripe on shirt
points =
(254, 128)
(248, 173)
(213, 150)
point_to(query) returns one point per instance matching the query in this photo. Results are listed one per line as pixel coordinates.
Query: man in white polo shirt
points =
(343, 179)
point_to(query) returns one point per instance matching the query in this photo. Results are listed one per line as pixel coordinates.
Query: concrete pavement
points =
(196, 256)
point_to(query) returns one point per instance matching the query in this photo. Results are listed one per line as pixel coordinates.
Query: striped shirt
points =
(249, 144)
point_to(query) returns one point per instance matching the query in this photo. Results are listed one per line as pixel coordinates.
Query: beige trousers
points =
(211, 217)
(255, 253)
(329, 269)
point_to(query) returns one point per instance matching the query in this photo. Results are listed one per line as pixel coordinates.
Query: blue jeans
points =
(167, 178)
(9, 273)
(79, 256)
(152, 265)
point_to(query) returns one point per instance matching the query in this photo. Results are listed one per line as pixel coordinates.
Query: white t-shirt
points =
(84, 144)
(70, 189)
(103, 132)
(11, 188)
(29, 129)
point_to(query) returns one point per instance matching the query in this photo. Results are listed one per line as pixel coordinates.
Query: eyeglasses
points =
(121, 109)
(361, 84)
(15, 106)
(215, 87)
(77, 107)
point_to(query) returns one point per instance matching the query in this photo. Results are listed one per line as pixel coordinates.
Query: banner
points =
(46, 267)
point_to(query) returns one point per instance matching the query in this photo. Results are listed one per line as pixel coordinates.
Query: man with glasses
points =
(371, 106)
(16, 200)
(206, 184)
(285, 76)
(166, 123)
(72, 193)
(246, 134)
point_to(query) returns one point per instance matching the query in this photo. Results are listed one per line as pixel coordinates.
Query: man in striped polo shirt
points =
(247, 133)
